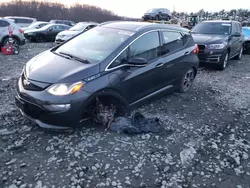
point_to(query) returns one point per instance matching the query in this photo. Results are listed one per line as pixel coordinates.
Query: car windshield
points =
(78, 27)
(34, 24)
(217, 28)
(152, 10)
(96, 44)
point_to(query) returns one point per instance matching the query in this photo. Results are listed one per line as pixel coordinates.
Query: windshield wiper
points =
(69, 56)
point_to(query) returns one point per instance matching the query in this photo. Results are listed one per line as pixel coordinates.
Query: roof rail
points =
(156, 21)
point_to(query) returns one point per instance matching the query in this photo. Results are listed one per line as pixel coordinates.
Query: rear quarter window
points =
(172, 41)
(4, 23)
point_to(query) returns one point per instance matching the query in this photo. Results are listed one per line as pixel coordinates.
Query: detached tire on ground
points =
(187, 81)
(224, 61)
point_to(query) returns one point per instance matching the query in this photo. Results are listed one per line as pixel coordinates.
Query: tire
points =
(15, 42)
(224, 61)
(239, 56)
(187, 81)
(39, 38)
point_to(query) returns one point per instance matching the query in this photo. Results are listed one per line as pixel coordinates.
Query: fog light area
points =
(57, 107)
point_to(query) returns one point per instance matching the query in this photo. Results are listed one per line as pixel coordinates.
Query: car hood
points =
(206, 39)
(68, 32)
(48, 67)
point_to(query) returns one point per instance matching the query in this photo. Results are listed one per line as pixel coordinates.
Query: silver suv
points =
(18, 37)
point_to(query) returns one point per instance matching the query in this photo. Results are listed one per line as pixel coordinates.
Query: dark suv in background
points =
(108, 68)
(218, 41)
(65, 22)
(157, 14)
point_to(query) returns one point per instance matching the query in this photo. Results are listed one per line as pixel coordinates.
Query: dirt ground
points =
(206, 142)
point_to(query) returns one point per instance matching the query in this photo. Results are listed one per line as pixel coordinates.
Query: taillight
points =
(196, 50)
(20, 30)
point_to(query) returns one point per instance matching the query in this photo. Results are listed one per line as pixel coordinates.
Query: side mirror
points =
(137, 61)
(237, 34)
(50, 29)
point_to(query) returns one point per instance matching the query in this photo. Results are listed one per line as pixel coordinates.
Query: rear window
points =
(218, 28)
(4, 23)
(96, 44)
(22, 20)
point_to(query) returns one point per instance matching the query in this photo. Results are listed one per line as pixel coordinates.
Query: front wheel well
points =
(107, 100)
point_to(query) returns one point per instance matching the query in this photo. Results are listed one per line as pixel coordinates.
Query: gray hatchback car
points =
(18, 38)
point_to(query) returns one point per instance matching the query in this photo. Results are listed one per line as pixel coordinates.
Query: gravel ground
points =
(206, 142)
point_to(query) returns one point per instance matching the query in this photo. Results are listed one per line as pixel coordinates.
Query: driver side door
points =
(139, 82)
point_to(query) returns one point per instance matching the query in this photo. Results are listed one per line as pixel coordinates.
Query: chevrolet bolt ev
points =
(103, 72)
(218, 41)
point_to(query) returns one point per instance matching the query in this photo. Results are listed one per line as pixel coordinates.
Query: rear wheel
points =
(15, 42)
(187, 81)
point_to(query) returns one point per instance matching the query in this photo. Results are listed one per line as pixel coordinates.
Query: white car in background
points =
(73, 31)
(18, 37)
(35, 25)
(22, 21)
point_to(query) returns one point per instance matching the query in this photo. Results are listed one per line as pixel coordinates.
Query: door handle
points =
(159, 65)
(186, 53)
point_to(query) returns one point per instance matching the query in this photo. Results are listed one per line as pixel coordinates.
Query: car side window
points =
(121, 59)
(172, 41)
(147, 46)
(234, 29)
(3, 23)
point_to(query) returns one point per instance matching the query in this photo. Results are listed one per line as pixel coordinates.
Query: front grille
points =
(32, 85)
(201, 48)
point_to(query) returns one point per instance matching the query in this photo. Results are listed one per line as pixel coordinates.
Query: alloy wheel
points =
(188, 80)
(225, 61)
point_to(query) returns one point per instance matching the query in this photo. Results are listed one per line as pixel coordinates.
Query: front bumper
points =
(210, 56)
(34, 106)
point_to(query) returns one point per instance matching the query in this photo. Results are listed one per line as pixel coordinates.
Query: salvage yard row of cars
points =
(89, 75)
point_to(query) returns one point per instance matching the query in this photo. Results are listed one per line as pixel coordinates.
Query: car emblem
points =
(26, 82)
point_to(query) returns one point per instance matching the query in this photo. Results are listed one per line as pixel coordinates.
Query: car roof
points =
(138, 25)
(220, 21)
(20, 17)
(58, 24)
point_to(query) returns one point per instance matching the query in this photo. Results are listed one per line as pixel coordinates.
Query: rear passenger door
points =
(175, 53)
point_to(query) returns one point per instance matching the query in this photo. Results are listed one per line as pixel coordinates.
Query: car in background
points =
(66, 22)
(73, 31)
(35, 25)
(45, 34)
(157, 14)
(246, 32)
(218, 41)
(18, 38)
(95, 71)
(22, 21)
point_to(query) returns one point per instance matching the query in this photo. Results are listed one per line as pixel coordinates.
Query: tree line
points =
(234, 14)
(46, 11)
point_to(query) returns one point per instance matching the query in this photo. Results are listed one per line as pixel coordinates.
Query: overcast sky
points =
(136, 8)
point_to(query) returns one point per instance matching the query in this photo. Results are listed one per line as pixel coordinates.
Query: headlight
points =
(216, 46)
(65, 89)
